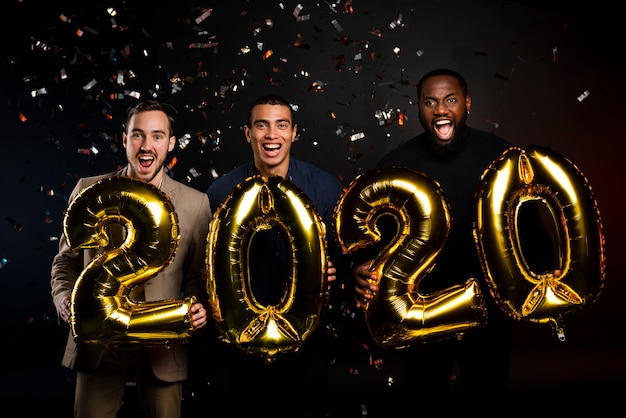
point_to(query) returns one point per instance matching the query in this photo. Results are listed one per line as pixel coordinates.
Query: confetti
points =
(337, 25)
(184, 140)
(90, 85)
(206, 13)
(583, 96)
(38, 92)
(15, 224)
(357, 136)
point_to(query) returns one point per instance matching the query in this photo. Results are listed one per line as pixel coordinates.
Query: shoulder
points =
(305, 172)
(222, 186)
(407, 149)
(323, 188)
(184, 197)
(229, 179)
(307, 167)
(184, 189)
(85, 182)
(484, 147)
(489, 139)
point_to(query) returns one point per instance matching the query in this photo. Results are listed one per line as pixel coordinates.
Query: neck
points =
(158, 180)
(273, 171)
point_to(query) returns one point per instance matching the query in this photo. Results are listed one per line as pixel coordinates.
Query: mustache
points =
(142, 152)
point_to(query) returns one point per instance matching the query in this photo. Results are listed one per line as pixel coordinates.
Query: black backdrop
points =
(549, 75)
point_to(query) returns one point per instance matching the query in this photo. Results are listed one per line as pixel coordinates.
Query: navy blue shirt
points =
(269, 250)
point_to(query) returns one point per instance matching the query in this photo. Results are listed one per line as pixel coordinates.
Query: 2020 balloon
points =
(266, 330)
(102, 310)
(516, 178)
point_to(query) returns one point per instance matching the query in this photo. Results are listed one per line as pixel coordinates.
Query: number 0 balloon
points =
(399, 314)
(539, 174)
(101, 309)
(257, 204)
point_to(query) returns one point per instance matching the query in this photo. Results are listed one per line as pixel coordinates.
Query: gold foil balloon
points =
(102, 310)
(516, 178)
(399, 314)
(254, 205)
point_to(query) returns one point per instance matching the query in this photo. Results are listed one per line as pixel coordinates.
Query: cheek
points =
(459, 112)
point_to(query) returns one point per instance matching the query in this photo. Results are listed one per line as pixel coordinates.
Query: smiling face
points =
(443, 109)
(270, 131)
(147, 141)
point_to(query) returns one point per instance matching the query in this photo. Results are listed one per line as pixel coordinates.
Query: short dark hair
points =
(442, 71)
(271, 99)
(149, 105)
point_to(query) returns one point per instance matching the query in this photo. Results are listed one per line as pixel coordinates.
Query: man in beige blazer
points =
(102, 369)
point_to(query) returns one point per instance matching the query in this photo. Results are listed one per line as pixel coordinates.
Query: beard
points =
(133, 171)
(444, 148)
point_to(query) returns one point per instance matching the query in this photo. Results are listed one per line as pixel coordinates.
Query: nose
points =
(145, 144)
(272, 131)
(441, 108)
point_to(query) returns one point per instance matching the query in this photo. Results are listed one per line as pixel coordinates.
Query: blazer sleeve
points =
(195, 272)
(67, 265)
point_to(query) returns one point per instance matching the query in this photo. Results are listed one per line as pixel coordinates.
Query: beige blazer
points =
(184, 276)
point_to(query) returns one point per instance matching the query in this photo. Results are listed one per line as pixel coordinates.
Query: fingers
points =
(199, 316)
(64, 310)
(365, 285)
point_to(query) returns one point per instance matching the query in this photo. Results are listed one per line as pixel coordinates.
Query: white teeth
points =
(442, 122)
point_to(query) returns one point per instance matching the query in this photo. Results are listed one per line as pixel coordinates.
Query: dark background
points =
(70, 70)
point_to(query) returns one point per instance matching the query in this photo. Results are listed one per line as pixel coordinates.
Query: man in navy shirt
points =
(294, 384)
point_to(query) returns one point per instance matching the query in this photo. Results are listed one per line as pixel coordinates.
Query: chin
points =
(444, 147)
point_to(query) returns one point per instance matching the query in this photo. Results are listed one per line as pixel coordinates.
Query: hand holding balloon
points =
(331, 272)
(365, 286)
(64, 310)
(199, 316)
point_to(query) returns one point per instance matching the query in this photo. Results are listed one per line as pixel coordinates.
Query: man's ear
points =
(294, 133)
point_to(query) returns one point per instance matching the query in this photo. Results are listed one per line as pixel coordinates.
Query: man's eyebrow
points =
(267, 121)
(445, 97)
(155, 131)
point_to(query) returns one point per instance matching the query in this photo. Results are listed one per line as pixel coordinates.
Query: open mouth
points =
(146, 161)
(444, 129)
(272, 149)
